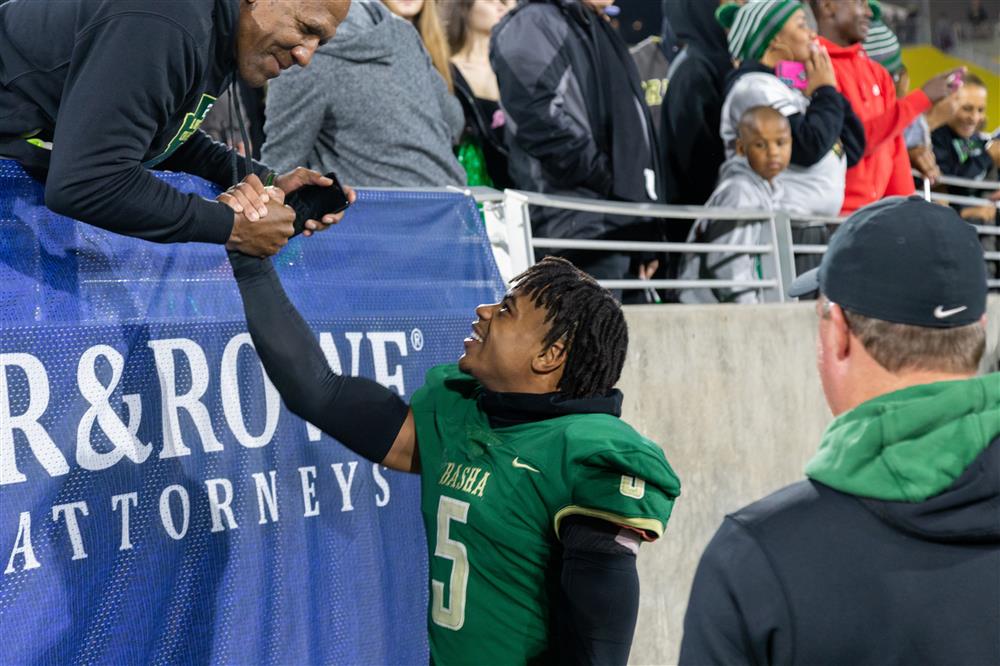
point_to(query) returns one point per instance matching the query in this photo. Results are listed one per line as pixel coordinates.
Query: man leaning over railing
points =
(110, 92)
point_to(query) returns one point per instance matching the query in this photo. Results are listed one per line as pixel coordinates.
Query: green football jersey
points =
(492, 502)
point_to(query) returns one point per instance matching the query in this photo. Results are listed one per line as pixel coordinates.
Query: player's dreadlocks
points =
(586, 317)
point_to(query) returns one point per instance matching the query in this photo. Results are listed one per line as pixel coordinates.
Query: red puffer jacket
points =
(885, 168)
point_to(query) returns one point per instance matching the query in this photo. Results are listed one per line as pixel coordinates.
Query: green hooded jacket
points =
(911, 444)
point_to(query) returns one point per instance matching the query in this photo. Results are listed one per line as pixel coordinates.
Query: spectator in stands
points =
(884, 170)
(747, 180)
(882, 46)
(917, 135)
(577, 121)
(110, 93)
(963, 150)
(423, 14)
(371, 108)
(887, 554)
(670, 43)
(772, 41)
(690, 147)
(652, 60)
(482, 149)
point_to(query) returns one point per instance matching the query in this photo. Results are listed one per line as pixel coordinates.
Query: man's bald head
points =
(273, 35)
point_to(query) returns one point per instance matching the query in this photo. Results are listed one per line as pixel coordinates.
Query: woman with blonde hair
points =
(423, 14)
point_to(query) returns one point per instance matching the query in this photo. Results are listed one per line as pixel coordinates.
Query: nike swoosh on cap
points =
(941, 313)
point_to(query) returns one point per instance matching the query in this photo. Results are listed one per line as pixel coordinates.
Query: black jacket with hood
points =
(113, 88)
(888, 554)
(690, 147)
(564, 127)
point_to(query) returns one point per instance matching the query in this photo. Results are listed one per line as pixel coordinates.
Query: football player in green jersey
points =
(535, 494)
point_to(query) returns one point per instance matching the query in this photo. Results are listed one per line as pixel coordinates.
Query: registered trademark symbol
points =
(416, 339)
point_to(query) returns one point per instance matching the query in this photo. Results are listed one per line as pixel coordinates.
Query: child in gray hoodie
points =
(747, 180)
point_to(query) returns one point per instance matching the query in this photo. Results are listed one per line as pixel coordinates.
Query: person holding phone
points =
(884, 169)
(781, 66)
(112, 93)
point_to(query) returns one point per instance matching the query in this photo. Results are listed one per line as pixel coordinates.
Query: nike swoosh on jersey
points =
(516, 462)
(941, 313)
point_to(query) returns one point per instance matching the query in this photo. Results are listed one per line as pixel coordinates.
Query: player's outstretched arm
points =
(363, 415)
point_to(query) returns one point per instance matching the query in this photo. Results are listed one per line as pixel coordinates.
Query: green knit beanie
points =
(882, 46)
(876, 8)
(753, 26)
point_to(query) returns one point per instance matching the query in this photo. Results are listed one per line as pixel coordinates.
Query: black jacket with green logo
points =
(888, 554)
(108, 89)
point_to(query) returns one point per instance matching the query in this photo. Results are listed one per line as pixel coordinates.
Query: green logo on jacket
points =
(192, 121)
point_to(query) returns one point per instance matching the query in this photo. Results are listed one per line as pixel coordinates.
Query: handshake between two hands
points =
(263, 222)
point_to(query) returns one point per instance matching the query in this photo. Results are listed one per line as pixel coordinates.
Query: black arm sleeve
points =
(363, 415)
(815, 131)
(202, 156)
(599, 594)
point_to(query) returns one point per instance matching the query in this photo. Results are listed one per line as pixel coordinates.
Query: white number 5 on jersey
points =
(451, 616)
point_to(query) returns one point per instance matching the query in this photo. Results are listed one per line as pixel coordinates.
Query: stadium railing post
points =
(518, 222)
(779, 264)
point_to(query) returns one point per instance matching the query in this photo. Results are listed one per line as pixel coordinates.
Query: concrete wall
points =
(732, 395)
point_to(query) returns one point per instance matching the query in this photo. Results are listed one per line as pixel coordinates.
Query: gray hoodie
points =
(814, 190)
(370, 107)
(739, 187)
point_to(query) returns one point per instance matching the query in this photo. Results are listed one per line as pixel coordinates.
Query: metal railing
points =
(508, 214)
(774, 251)
(992, 185)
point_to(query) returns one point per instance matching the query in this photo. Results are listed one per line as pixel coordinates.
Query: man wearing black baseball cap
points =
(890, 551)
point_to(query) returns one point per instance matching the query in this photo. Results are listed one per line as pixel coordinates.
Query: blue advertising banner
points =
(157, 501)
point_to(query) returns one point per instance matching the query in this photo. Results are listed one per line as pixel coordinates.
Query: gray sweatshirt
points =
(370, 106)
(815, 190)
(739, 187)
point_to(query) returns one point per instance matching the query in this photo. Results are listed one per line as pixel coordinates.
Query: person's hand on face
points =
(819, 70)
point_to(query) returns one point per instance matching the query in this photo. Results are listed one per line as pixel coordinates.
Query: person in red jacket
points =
(884, 170)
